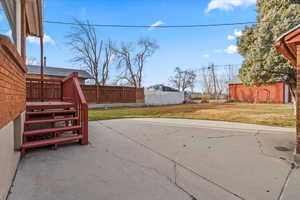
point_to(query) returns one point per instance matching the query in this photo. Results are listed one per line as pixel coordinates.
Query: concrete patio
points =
(165, 159)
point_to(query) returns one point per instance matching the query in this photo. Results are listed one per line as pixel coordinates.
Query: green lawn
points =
(264, 114)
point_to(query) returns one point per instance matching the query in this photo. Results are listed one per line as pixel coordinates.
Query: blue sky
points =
(187, 48)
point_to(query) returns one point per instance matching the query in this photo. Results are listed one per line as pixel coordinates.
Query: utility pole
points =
(213, 74)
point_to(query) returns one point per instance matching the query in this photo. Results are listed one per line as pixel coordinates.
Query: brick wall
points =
(273, 93)
(12, 82)
(298, 99)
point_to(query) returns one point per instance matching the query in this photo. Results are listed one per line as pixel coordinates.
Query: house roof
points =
(162, 87)
(288, 32)
(57, 71)
(286, 44)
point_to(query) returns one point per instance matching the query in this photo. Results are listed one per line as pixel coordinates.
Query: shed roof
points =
(57, 71)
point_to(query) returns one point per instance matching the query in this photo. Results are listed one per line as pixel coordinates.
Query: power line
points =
(148, 26)
(160, 26)
(232, 66)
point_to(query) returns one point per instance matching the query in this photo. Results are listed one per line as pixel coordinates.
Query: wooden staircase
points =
(50, 123)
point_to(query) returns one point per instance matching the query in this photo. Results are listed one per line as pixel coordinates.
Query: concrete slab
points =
(164, 159)
(243, 161)
(291, 191)
(110, 168)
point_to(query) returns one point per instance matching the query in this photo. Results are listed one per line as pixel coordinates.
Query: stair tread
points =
(50, 130)
(50, 141)
(50, 104)
(50, 120)
(50, 112)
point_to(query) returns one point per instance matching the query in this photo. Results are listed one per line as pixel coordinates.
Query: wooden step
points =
(51, 130)
(48, 105)
(50, 120)
(46, 142)
(55, 112)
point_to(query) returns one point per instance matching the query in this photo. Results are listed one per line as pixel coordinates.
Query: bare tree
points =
(131, 60)
(207, 87)
(183, 79)
(215, 83)
(32, 61)
(94, 55)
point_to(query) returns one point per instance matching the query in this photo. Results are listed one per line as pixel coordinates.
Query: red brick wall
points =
(298, 99)
(273, 93)
(12, 82)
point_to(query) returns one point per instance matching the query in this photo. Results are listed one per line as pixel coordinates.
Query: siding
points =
(12, 82)
(273, 93)
(163, 98)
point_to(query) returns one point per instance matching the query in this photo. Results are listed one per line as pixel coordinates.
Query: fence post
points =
(97, 94)
(136, 95)
(123, 95)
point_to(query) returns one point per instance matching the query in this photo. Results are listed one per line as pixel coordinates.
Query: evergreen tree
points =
(262, 62)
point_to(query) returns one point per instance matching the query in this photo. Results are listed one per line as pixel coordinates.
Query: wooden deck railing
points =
(72, 92)
(43, 90)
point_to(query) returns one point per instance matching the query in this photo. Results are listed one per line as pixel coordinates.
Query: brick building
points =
(25, 19)
(272, 93)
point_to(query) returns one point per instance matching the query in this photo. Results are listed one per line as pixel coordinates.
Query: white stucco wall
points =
(9, 158)
(163, 98)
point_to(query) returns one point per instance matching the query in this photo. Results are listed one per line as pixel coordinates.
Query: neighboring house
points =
(272, 93)
(161, 87)
(56, 73)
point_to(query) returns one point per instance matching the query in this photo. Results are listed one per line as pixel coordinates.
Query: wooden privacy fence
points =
(113, 94)
(52, 91)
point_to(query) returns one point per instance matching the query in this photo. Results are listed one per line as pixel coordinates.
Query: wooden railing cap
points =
(11, 50)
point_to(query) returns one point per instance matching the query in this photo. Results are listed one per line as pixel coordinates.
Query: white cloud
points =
(227, 4)
(205, 56)
(231, 49)
(35, 40)
(31, 61)
(237, 33)
(158, 23)
(231, 37)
